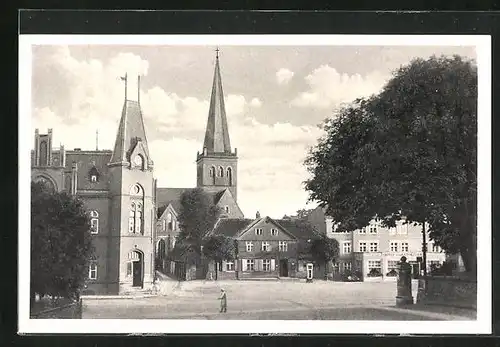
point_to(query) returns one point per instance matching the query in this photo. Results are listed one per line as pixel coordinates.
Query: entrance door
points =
(137, 272)
(283, 267)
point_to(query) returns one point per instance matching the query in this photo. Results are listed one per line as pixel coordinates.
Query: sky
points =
(276, 98)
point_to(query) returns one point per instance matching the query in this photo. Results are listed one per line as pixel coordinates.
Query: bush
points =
(374, 273)
(445, 269)
(351, 276)
(392, 273)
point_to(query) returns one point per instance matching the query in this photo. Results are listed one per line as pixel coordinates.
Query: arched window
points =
(229, 173)
(43, 153)
(139, 161)
(136, 212)
(94, 222)
(169, 220)
(221, 171)
(211, 172)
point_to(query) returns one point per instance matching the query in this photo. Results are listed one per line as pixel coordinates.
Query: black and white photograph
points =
(281, 184)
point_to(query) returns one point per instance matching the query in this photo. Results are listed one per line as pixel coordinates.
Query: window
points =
(362, 246)
(394, 246)
(93, 271)
(164, 225)
(258, 231)
(347, 266)
(221, 171)
(362, 230)
(135, 218)
(93, 178)
(229, 266)
(43, 153)
(211, 172)
(392, 265)
(266, 265)
(373, 229)
(374, 246)
(229, 173)
(265, 246)
(94, 222)
(374, 264)
(173, 224)
(392, 231)
(402, 229)
(274, 231)
(250, 265)
(249, 246)
(226, 208)
(219, 266)
(283, 246)
(404, 246)
(346, 247)
(129, 269)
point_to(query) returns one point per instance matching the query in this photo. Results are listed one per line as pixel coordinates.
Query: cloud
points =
(270, 171)
(283, 76)
(328, 87)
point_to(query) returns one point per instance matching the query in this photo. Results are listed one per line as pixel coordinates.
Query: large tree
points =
(324, 250)
(198, 215)
(61, 244)
(408, 153)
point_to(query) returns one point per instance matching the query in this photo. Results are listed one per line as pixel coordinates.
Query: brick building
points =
(119, 192)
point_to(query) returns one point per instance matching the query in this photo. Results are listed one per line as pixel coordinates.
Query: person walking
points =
(223, 301)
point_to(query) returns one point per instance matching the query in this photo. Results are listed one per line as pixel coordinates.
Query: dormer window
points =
(93, 175)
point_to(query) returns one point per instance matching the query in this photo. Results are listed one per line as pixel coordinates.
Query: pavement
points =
(277, 300)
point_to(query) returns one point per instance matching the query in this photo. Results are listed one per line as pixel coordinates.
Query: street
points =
(278, 300)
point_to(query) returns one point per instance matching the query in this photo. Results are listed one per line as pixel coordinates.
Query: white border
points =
(483, 324)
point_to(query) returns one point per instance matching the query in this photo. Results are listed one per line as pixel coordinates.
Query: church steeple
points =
(131, 140)
(217, 164)
(217, 134)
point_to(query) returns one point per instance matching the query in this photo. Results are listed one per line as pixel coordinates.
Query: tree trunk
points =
(216, 270)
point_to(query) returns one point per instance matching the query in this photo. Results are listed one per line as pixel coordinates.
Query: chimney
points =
(257, 215)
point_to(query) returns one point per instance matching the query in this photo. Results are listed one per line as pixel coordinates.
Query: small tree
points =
(219, 248)
(197, 217)
(324, 249)
(61, 244)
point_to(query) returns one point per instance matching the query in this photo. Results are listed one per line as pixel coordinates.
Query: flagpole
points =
(138, 88)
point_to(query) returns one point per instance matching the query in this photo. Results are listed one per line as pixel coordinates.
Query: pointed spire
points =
(217, 134)
(131, 131)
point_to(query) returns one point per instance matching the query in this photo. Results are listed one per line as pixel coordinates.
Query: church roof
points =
(131, 129)
(167, 196)
(217, 134)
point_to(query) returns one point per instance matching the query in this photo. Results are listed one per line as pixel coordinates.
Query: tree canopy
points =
(324, 249)
(198, 215)
(219, 248)
(408, 153)
(61, 244)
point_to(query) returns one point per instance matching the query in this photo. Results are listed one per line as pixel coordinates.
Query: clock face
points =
(138, 160)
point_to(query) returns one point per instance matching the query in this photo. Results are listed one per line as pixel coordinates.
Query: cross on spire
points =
(217, 52)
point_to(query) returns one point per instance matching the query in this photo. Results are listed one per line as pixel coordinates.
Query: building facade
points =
(118, 190)
(266, 248)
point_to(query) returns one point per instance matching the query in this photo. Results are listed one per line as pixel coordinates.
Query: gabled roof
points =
(233, 227)
(217, 134)
(131, 127)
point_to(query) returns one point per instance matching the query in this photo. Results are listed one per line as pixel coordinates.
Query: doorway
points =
(283, 267)
(137, 266)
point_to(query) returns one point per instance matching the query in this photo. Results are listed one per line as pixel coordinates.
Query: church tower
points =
(217, 164)
(131, 193)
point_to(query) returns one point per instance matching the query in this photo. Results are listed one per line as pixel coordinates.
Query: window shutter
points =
(244, 264)
(261, 266)
(272, 265)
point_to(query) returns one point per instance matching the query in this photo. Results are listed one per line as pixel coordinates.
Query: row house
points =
(373, 252)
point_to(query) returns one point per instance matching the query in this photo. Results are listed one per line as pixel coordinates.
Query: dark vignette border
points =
(234, 22)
